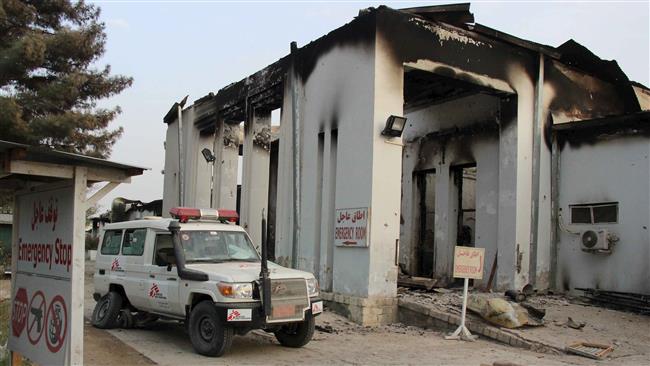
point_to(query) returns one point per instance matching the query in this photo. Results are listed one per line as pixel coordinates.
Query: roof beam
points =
(41, 169)
(92, 200)
(95, 174)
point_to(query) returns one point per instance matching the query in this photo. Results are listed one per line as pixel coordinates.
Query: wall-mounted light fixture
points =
(207, 154)
(394, 126)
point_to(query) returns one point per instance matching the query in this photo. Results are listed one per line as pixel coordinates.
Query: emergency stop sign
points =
(19, 313)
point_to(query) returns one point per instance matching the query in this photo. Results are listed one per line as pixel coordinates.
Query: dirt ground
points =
(336, 341)
(102, 348)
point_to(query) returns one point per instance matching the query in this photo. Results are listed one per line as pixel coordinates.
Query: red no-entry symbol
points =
(57, 324)
(36, 317)
(19, 313)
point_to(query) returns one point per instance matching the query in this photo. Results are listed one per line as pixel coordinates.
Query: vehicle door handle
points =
(152, 276)
(171, 278)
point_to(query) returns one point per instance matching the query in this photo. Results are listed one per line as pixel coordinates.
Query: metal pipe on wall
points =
(295, 134)
(537, 136)
(181, 176)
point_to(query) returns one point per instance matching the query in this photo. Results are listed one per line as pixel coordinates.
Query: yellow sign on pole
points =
(468, 262)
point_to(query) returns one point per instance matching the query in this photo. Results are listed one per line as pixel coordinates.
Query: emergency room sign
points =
(40, 319)
(351, 227)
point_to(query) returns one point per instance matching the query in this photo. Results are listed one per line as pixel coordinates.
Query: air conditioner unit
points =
(594, 240)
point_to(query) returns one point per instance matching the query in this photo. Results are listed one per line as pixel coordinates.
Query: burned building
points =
(530, 151)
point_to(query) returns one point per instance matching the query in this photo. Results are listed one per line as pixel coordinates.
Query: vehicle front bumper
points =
(251, 314)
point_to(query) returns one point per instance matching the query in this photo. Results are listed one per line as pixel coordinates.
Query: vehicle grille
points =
(288, 300)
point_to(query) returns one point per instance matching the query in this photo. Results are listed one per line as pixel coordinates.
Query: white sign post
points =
(468, 263)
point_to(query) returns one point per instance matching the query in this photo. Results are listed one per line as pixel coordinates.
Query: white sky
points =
(175, 48)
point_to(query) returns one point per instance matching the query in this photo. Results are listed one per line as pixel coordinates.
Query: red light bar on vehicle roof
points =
(183, 214)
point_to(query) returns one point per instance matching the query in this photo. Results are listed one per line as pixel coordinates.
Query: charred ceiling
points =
(422, 88)
(591, 131)
(412, 38)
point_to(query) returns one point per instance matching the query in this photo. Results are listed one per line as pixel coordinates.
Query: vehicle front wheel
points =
(208, 333)
(296, 335)
(106, 311)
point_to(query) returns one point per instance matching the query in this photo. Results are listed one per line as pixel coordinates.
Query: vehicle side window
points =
(111, 243)
(163, 250)
(134, 241)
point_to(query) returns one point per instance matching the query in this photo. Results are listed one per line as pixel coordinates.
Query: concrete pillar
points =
(255, 180)
(327, 214)
(226, 153)
(386, 180)
(509, 255)
(445, 222)
(199, 170)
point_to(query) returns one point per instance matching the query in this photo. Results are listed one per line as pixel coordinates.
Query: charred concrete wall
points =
(336, 100)
(606, 170)
(346, 92)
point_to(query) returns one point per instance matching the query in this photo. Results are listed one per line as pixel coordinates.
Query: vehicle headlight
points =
(312, 287)
(236, 290)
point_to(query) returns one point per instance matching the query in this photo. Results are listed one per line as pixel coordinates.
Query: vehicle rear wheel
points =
(208, 333)
(106, 311)
(296, 335)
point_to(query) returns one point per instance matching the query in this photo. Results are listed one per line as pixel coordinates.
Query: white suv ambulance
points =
(202, 270)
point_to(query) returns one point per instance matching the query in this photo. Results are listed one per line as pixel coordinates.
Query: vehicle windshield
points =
(217, 246)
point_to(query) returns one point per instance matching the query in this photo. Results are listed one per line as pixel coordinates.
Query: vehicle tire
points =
(208, 333)
(296, 335)
(125, 319)
(106, 311)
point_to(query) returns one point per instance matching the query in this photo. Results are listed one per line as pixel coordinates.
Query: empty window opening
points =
(276, 117)
(594, 213)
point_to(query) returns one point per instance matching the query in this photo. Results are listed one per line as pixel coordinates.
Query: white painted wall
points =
(338, 95)
(613, 170)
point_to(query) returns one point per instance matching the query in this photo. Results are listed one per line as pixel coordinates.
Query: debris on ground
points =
(637, 303)
(591, 350)
(515, 295)
(417, 282)
(325, 328)
(500, 312)
(534, 310)
(574, 324)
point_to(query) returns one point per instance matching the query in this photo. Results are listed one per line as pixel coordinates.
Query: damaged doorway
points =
(465, 183)
(426, 184)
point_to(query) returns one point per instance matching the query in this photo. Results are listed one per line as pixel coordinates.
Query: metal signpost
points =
(468, 263)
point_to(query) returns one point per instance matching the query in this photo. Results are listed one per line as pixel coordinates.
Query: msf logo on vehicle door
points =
(155, 293)
(115, 265)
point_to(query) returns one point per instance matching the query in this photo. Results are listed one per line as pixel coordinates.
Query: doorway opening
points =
(465, 183)
(426, 184)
